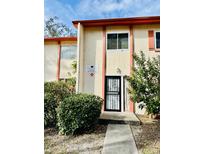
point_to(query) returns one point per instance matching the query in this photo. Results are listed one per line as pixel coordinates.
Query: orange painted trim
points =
(151, 39)
(119, 21)
(131, 104)
(58, 63)
(131, 47)
(132, 109)
(103, 65)
(71, 38)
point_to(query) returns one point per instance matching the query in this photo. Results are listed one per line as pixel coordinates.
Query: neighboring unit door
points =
(113, 93)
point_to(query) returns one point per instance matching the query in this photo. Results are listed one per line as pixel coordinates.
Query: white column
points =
(78, 60)
(122, 94)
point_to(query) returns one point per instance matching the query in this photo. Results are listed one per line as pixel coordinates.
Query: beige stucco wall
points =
(51, 49)
(117, 59)
(68, 42)
(140, 33)
(50, 61)
(92, 56)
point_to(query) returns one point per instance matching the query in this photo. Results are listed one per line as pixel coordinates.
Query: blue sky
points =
(68, 10)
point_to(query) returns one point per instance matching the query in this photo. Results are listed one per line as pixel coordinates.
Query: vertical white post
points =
(78, 59)
(122, 94)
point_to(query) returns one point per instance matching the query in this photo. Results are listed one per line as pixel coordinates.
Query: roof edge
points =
(115, 21)
(70, 38)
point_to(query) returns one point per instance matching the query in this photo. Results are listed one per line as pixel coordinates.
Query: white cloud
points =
(117, 8)
(99, 8)
(64, 12)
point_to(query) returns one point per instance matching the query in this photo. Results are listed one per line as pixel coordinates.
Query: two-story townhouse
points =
(105, 50)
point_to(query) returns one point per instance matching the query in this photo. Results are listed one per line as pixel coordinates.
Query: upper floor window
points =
(157, 40)
(117, 41)
(69, 52)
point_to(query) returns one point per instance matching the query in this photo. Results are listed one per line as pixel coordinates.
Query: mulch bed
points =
(147, 135)
(89, 142)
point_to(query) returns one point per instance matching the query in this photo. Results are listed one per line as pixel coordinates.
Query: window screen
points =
(123, 41)
(112, 41)
(68, 52)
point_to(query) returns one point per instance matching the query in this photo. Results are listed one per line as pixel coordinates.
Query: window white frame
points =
(118, 32)
(155, 40)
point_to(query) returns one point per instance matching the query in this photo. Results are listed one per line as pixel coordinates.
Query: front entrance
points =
(113, 93)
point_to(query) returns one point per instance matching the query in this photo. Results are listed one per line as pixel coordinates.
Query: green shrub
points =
(72, 83)
(78, 113)
(145, 82)
(54, 92)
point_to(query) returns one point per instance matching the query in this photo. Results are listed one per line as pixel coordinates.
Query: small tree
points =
(72, 80)
(53, 28)
(145, 82)
(74, 66)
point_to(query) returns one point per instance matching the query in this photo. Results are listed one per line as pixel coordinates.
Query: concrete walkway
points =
(119, 140)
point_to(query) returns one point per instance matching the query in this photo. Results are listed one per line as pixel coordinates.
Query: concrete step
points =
(119, 118)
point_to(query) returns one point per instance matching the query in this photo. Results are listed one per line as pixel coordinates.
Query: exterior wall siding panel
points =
(50, 61)
(93, 39)
(141, 40)
(120, 58)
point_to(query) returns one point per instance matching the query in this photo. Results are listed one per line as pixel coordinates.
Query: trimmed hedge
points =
(54, 92)
(78, 113)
